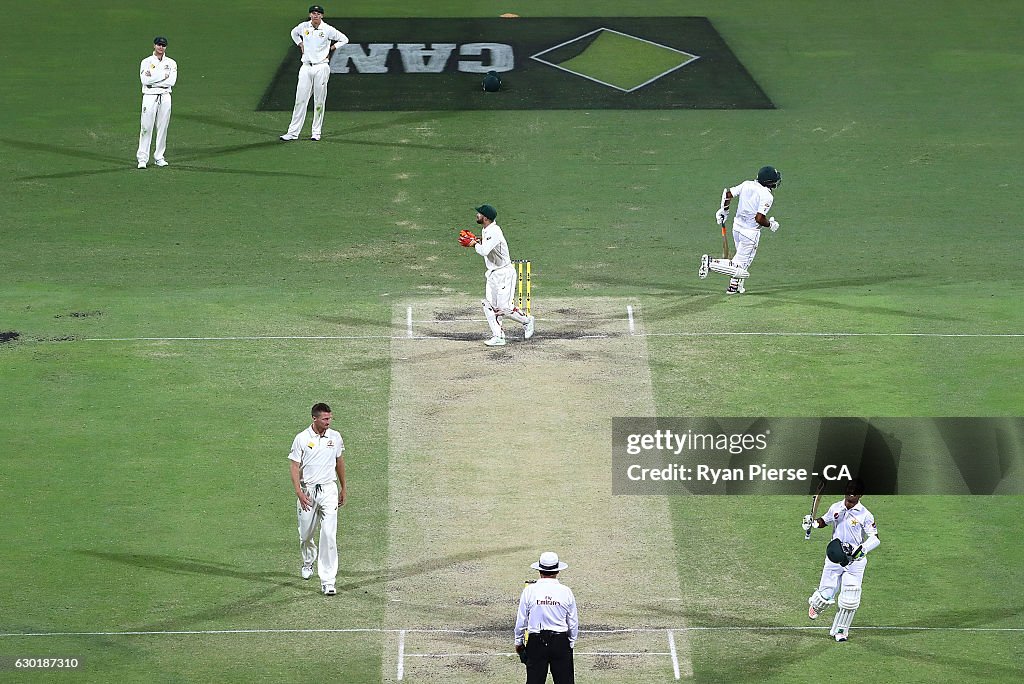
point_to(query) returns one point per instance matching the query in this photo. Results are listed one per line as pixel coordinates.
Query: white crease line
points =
(381, 630)
(441, 321)
(401, 655)
(243, 338)
(824, 334)
(672, 650)
(629, 313)
(505, 655)
(256, 338)
(408, 322)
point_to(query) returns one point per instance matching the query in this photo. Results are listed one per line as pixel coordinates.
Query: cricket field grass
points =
(164, 332)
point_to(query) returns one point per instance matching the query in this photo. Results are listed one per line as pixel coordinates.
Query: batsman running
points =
(854, 535)
(500, 278)
(753, 200)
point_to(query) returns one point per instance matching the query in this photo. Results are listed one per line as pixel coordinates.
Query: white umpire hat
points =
(549, 563)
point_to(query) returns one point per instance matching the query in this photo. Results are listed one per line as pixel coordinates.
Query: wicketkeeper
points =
(500, 278)
(753, 200)
(854, 535)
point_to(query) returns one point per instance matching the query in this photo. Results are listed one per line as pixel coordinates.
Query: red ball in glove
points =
(467, 238)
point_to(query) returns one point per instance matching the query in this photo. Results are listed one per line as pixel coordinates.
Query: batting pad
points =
(479, 438)
(728, 268)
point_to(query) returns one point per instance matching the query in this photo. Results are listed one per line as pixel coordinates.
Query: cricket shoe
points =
(329, 590)
(287, 137)
(142, 165)
(161, 162)
(528, 332)
(307, 571)
(841, 636)
(705, 264)
(495, 342)
(314, 137)
(735, 288)
(811, 613)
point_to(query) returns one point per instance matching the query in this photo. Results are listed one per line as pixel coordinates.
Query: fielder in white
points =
(317, 456)
(500, 279)
(753, 200)
(158, 74)
(854, 535)
(316, 40)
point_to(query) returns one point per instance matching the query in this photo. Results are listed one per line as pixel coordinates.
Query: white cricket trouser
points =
(312, 81)
(156, 114)
(834, 576)
(324, 510)
(746, 240)
(500, 289)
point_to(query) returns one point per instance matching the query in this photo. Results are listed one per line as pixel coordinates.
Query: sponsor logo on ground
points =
(544, 63)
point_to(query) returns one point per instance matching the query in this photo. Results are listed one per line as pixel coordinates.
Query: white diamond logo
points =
(615, 59)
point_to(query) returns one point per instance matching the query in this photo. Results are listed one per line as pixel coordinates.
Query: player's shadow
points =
(126, 165)
(357, 579)
(274, 588)
(901, 642)
(63, 151)
(121, 163)
(774, 651)
(187, 566)
(336, 138)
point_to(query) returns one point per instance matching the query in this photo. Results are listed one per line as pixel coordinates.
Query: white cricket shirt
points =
(316, 455)
(162, 75)
(316, 42)
(547, 604)
(853, 525)
(493, 248)
(751, 199)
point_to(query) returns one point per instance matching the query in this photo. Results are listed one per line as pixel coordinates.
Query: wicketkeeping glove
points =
(467, 238)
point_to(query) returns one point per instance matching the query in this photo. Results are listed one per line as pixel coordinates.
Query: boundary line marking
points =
(400, 631)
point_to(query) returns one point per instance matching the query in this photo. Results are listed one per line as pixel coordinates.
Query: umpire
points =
(547, 624)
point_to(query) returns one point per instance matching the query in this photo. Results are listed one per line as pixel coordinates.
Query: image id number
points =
(46, 663)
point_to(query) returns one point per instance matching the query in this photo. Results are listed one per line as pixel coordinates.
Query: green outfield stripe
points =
(489, 465)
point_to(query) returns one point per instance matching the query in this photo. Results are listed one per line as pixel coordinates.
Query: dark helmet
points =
(492, 82)
(836, 553)
(769, 177)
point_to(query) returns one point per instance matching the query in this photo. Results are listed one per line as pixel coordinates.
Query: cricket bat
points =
(814, 505)
(725, 244)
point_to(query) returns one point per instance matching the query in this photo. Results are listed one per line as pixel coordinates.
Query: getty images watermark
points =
(719, 456)
(673, 443)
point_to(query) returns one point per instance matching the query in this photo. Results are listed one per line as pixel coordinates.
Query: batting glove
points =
(721, 216)
(808, 523)
(773, 225)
